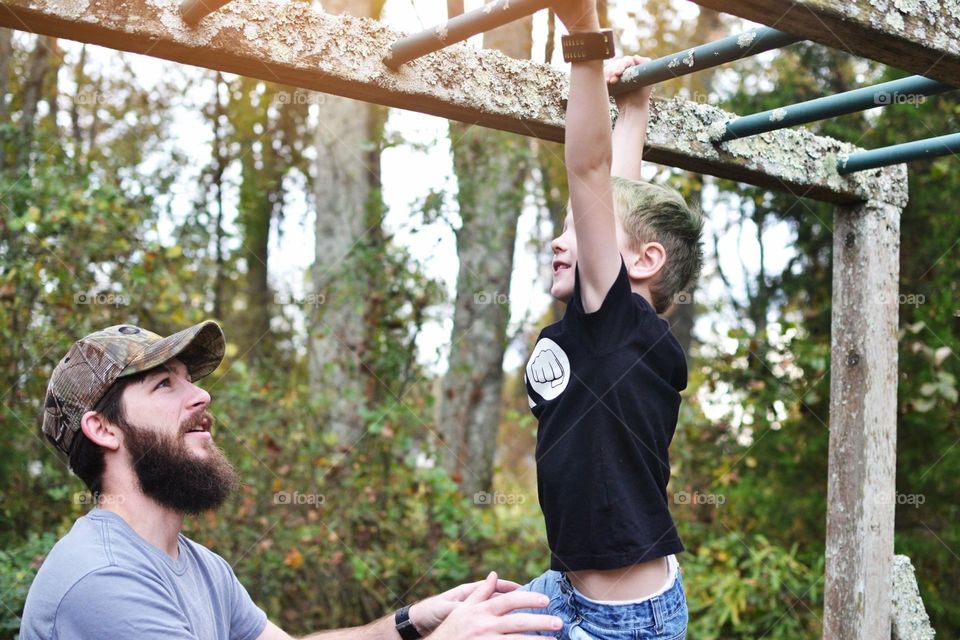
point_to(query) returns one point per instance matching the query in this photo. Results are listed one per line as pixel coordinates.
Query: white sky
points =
(410, 173)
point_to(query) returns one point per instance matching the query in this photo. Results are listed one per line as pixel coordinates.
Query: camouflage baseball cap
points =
(93, 363)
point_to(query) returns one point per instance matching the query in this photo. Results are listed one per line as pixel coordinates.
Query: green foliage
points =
(18, 566)
(747, 587)
(326, 536)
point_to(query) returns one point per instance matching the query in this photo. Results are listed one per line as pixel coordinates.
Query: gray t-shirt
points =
(104, 581)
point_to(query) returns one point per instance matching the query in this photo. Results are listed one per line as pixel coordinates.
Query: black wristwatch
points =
(404, 625)
(592, 45)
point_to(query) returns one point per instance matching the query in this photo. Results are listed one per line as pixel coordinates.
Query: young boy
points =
(604, 382)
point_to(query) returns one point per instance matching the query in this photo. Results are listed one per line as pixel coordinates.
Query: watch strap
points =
(590, 45)
(404, 625)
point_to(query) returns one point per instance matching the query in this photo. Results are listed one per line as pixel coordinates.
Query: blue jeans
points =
(661, 617)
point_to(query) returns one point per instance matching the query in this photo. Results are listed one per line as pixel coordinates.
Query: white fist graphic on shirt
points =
(548, 370)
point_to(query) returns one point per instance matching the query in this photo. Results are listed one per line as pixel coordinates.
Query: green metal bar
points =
(905, 90)
(705, 56)
(459, 28)
(193, 11)
(906, 152)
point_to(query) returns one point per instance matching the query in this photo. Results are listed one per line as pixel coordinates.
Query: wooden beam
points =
(863, 423)
(296, 44)
(920, 37)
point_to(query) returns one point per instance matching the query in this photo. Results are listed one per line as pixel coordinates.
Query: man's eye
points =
(164, 382)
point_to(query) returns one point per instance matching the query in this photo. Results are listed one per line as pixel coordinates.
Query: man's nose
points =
(199, 398)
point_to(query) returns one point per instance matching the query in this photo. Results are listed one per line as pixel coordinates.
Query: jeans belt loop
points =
(655, 603)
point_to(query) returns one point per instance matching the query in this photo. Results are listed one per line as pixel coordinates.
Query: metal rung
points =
(906, 152)
(459, 28)
(879, 95)
(193, 11)
(705, 56)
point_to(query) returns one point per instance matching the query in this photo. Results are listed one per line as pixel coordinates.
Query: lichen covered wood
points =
(296, 44)
(920, 36)
(863, 422)
(910, 619)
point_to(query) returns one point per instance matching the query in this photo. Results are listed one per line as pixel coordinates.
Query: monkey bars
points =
(193, 11)
(705, 56)
(895, 154)
(459, 28)
(909, 89)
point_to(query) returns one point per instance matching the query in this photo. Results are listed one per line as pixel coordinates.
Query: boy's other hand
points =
(632, 100)
(577, 15)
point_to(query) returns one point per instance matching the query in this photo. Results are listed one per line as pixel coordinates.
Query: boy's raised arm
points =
(588, 155)
(630, 134)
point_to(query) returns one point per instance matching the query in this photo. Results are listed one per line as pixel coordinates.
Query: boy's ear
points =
(647, 262)
(99, 431)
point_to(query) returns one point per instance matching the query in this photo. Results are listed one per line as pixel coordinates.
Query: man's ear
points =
(647, 262)
(99, 431)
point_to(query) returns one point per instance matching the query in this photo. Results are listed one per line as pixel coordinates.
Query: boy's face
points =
(565, 258)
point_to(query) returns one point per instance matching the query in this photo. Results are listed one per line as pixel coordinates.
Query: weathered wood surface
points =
(920, 36)
(295, 44)
(863, 422)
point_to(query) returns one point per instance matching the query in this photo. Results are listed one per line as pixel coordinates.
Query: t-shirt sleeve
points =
(617, 318)
(113, 603)
(247, 620)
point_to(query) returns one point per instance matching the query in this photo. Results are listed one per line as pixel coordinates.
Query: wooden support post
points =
(863, 422)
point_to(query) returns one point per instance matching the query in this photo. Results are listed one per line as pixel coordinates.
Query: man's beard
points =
(172, 475)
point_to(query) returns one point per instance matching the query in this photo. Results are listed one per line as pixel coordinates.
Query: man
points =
(124, 406)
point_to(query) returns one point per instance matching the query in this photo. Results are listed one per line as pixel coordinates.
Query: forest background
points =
(381, 276)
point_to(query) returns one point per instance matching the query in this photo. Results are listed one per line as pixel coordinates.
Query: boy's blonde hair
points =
(656, 213)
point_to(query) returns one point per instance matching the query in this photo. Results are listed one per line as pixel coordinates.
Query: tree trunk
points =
(255, 219)
(346, 188)
(37, 68)
(492, 169)
(6, 57)
(221, 90)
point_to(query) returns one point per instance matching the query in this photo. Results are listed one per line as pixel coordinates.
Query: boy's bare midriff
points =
(626, 583)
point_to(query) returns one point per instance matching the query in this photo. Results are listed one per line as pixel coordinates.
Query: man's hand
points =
(485, 614)
(427, 615)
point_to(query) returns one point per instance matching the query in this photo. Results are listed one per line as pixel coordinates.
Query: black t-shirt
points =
(604, 387)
